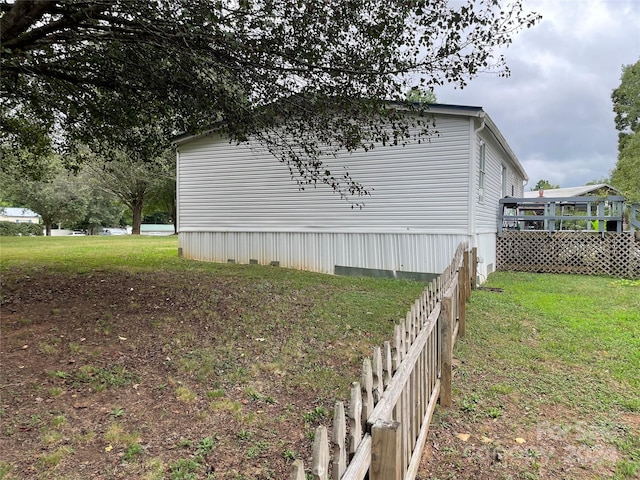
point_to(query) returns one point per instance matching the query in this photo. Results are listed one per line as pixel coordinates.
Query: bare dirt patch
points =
(163, 375)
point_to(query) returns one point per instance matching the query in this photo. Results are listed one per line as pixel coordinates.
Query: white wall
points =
(487, 211)
(418, 188)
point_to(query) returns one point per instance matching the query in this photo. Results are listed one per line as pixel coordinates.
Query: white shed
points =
(237, 203)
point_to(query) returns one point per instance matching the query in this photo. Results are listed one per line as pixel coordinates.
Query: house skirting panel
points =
(322, 252)
(486, 243)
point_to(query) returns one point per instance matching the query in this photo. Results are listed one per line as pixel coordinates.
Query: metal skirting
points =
(321, 252)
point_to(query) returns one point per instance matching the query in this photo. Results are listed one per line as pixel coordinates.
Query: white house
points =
(236, 203)
(18, 215)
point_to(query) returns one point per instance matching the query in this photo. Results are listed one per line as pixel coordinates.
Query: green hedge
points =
(11, 229)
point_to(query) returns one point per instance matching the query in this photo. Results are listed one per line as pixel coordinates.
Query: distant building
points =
(157, 229)
(18, 215)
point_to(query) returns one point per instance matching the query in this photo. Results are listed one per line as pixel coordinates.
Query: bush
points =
(11, 229)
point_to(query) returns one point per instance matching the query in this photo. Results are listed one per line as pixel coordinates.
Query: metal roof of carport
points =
(573, 191)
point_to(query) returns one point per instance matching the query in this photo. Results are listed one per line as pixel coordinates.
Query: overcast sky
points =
(555, 110)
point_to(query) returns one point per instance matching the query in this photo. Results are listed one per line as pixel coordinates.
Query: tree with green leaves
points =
(132, 181)
(599, 181)
(626, 174)
(304, 78)
(62, 199)
(103, 208)
(415, 95)
(626, 105)
(544, 185)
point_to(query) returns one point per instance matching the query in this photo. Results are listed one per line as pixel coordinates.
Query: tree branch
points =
(68, 21)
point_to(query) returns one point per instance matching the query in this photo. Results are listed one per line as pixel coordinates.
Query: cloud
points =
(555, 110)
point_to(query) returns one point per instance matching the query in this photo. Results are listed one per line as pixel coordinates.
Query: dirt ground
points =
(91, 386)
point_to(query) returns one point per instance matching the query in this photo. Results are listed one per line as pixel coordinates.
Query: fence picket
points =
(412, 317)
(320, 460)
(387, 364)
(378, 386)
(297, 471)
(406, 335)
(367, 389)
(397, 347)
(355, 418)
(338, 439)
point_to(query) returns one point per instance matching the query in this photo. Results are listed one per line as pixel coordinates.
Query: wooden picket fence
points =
(391, 407)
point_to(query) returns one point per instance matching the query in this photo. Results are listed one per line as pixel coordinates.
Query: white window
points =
(504, 180)
(481, 174)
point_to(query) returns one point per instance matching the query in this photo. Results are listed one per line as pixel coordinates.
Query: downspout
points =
(473, 171)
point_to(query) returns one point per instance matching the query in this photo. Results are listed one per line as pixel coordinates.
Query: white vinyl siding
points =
(495, 158)
(416, 188)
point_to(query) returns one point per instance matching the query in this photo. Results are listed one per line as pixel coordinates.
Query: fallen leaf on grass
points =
(108, 448)
(463, 436)
(520, 440)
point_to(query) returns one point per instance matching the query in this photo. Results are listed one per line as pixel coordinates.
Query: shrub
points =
(11, 229)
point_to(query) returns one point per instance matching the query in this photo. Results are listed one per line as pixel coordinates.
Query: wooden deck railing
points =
(598, 214)
(634, 217)
(391, 407)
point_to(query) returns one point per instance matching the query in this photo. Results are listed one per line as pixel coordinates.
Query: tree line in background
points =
(85, 192)
(626, 105)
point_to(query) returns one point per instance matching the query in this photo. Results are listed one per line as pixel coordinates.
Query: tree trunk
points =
(137, 217)
(48, 224)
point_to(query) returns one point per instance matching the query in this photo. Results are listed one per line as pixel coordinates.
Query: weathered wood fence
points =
(391, 407)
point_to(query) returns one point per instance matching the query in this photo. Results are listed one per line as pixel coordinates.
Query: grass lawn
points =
(121, 360)
(548, 385)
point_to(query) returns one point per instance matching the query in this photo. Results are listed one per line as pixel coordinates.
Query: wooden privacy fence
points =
(391, 407)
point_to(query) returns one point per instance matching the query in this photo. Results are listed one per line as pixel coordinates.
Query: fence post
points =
(467, 274)
(446, 322)
(474, 267)
(386, 451)
(462, 303)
